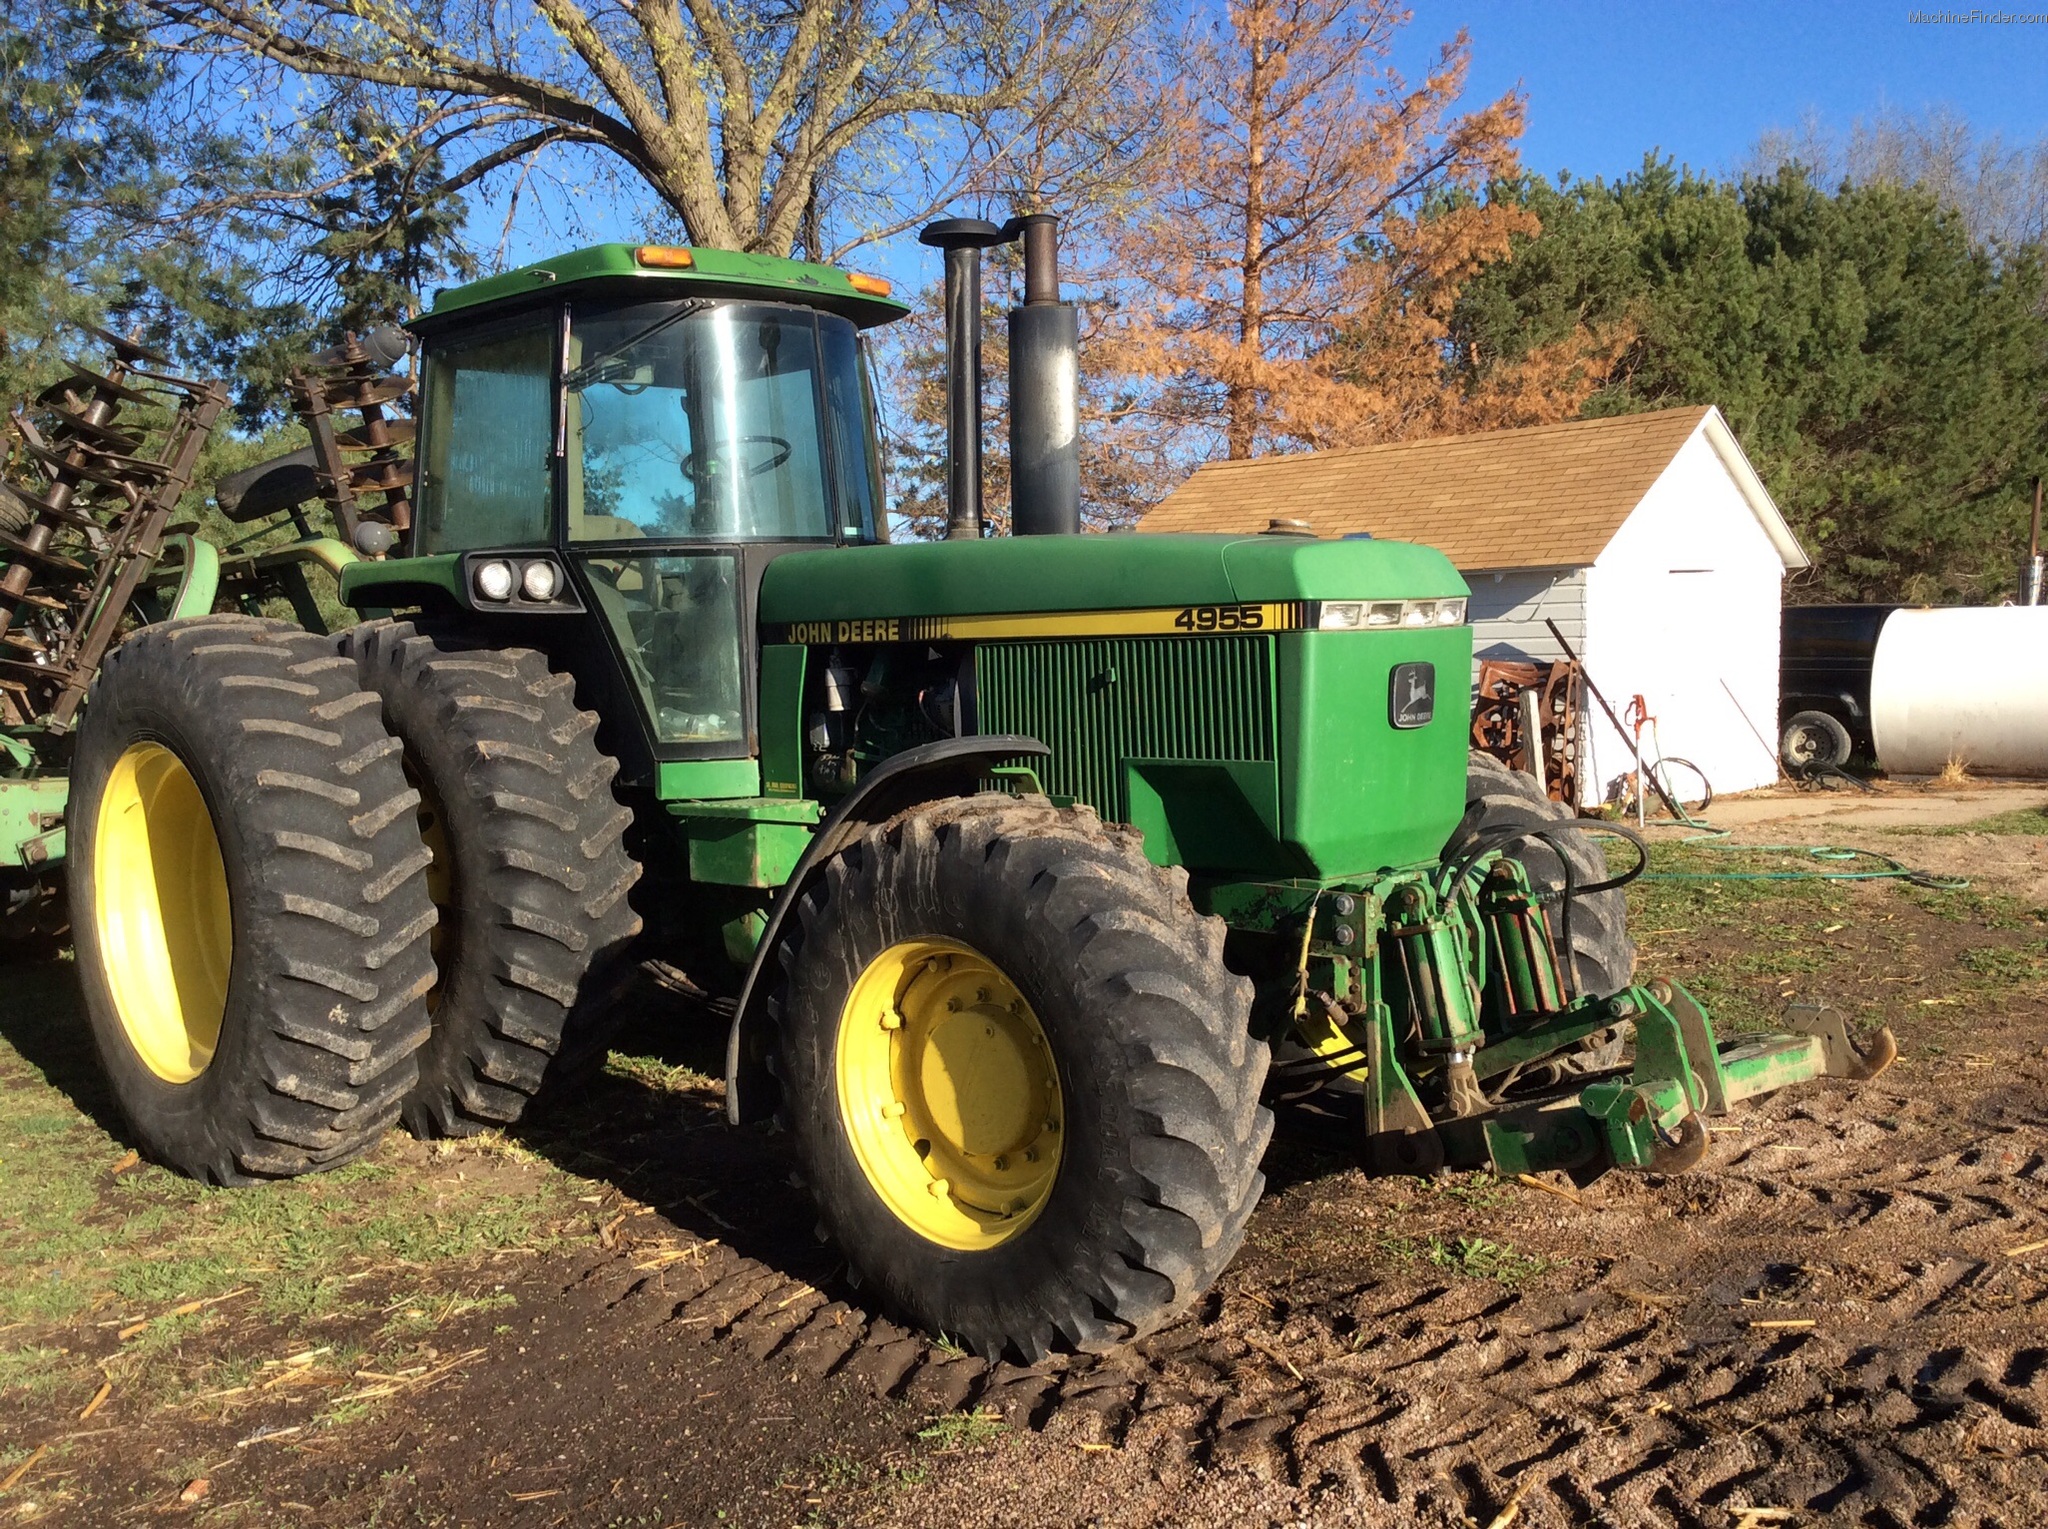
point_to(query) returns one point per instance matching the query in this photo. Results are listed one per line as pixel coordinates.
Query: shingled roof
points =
(1551, 496)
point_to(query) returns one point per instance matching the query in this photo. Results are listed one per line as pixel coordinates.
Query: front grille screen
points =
(1099, 702)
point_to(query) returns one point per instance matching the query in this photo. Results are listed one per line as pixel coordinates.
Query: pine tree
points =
(1885, 371)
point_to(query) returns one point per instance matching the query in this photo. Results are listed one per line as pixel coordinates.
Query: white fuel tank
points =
(1968, 684)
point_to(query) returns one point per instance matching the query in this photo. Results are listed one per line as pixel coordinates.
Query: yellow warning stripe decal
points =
(1161, 621)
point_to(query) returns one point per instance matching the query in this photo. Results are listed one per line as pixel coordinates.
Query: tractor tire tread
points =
(520, 949)
(326, 997)
(1176, 1083)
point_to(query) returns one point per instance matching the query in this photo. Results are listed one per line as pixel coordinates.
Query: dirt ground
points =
(1841, 1317)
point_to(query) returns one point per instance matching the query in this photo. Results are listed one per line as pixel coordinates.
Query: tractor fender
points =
(928, 773)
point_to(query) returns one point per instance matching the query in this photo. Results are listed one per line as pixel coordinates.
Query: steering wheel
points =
(714, 460)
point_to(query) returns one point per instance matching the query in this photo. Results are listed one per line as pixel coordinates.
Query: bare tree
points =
(749, 120)
(1999, 188)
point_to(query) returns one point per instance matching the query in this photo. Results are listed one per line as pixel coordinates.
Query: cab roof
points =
(708, 273)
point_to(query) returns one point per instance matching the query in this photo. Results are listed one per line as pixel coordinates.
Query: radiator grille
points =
(1099, 702)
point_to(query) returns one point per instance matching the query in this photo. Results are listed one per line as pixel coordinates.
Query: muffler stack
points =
(1045, 443)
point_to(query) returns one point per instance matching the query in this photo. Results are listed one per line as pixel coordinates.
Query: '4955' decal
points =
(1141, 621)
(1221, 618)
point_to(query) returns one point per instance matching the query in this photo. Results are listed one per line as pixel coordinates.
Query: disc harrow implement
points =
(96, 465)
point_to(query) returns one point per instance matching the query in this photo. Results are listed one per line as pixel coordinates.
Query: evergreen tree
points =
(1885, 373)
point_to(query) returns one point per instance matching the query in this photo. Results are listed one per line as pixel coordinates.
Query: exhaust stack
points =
(963, 240)
(1045, 359)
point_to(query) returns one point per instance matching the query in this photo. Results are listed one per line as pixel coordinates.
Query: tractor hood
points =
(1002, 575)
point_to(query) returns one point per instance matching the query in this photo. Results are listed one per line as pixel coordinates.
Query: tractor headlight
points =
(1341, 616)
(494, 580)
(540, 581)
(1355, 615)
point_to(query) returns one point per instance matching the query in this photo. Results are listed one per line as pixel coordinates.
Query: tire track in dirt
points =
(1673, 1382)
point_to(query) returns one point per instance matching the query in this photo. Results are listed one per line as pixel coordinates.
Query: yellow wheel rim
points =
(161, 912)
(949, 1093)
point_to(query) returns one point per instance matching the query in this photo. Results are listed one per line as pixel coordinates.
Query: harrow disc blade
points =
(126, 349)
(84, 383)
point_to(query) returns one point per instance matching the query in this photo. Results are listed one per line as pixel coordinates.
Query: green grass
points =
(833, 1471)
(85, 1249)
(1685, 928)
(1473, 1258)
(1968, 905)
(1475, 1191)
(2006, 966)
(660, 1076)
(2024, 820)
(962, 1430)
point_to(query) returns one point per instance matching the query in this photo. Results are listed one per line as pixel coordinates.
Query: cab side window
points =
(486, 465)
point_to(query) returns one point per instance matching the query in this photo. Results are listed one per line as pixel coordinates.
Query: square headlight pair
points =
(1388, 615)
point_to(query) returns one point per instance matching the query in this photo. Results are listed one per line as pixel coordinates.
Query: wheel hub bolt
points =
(1001, 1164)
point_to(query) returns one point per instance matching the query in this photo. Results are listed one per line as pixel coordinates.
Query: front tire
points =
(1019, 1076)
(529, 868)
(252, 913)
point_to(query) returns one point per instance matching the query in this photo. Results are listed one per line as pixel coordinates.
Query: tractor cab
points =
(636, 432)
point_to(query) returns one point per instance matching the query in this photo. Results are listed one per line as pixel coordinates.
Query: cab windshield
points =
(692, 421)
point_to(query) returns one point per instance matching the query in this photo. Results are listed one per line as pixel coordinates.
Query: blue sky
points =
(1608, 81)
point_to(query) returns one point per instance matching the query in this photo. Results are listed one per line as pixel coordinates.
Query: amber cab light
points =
(873, 286)
(668, 257)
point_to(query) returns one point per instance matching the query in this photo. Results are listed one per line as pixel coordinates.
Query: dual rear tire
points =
(270, 977)
(252, 913)
(529, 866)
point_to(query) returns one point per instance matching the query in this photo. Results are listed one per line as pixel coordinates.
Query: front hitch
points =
(1652, 1120)
(1843, 1057)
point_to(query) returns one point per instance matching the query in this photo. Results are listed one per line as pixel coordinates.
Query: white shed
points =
(1648, 539)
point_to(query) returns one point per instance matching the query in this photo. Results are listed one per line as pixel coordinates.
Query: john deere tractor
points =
(1026, 855)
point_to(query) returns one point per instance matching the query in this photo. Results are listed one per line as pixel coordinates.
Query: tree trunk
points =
(1242, 395)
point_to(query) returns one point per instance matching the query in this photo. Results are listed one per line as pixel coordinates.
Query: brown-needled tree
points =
(1282, 280)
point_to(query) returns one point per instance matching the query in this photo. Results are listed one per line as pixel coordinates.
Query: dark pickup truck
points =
(1824, 662)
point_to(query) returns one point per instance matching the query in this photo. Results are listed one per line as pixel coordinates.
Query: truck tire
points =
(250, 899)
(529, 871)
(1603, 957)
(1813, 739)
(1019, 1076)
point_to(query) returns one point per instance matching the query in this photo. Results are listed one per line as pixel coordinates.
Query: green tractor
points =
(1025, 855)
